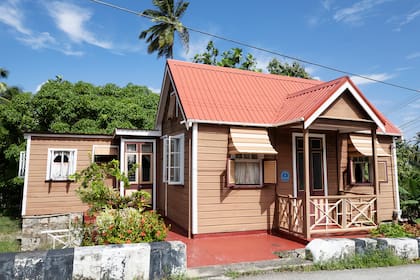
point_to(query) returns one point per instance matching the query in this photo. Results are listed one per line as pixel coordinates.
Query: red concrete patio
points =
(232, 248)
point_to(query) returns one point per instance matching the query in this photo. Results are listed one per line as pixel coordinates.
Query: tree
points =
(286, 69)
(408, 155)
(62, 106)
(232, 58)
(161, 36)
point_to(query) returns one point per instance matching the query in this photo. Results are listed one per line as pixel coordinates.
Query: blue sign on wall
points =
(284, 176)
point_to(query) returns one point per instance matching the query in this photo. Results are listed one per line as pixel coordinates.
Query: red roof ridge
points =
(333, 83)
(238, 71)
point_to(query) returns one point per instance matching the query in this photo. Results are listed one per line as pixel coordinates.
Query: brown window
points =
(138, 163)
(251, 170)
(361, 170)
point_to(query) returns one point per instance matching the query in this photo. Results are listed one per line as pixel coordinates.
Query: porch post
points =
(307, 181)
(374, 169)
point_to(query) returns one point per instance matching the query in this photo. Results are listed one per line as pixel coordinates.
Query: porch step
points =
(223, 271)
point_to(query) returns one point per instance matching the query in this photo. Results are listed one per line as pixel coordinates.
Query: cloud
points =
(413, 55)
(11, 15)
(379, 77)
(357, 12)
(71, 19)
(155, 90)
(195, 47)
(327, 4)
(410, 17)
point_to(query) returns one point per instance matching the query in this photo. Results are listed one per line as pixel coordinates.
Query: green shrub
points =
(390, 230)
(128, 225)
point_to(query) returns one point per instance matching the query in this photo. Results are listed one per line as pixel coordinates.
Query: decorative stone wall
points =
(129, 261)
(32, 226)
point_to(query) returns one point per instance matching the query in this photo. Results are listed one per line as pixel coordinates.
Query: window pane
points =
(104, 158)
(145, 168)
(147, 148)
(316, 144)
(300, 171)
(361, 170)
(317, 171)
(132, 173)
(247, 173)
(299, 143)
(174, 174)
(131, 147)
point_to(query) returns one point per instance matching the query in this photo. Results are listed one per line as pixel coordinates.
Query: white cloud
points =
(413, 55)
(379, 76)
(155, 90)
(71, 19)
(356, 13)
(11, 15)
(410, 17)
(327, 4)
(42, 40)
(195, 47)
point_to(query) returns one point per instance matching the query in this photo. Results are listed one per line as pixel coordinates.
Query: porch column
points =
(307, 217)
(374, 169)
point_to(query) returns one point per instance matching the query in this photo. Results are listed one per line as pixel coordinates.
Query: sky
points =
(81, 40)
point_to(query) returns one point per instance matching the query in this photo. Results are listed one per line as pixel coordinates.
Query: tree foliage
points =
(286, 69)
(232, 58)
(161, 35)
(65, 107)
(408, 154)
(235, 58)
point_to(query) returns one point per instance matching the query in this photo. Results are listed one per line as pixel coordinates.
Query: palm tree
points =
(161, 35)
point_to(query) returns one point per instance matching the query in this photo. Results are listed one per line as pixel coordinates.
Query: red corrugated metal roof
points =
(227, 95)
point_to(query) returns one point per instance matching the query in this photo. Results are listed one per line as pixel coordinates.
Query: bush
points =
(390, 230)
(128, 225)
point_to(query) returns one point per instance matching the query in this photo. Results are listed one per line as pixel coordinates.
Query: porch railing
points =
(339, 213)
(290, 214)
(327, 214)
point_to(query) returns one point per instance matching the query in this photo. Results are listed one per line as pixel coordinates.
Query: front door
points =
(316, 166)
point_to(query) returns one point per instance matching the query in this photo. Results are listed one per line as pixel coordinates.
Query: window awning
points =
(363, 145)
(106, 150)
(250, 141)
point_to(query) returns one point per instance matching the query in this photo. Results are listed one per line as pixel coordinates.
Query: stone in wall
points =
(32, 226)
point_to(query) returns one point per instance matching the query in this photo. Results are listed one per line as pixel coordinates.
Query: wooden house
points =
(236, 151)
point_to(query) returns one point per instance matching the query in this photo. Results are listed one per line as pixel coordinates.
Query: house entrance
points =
(317, 166)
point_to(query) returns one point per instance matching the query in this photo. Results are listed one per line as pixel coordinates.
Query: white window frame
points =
(72, 163)
(167, 162)
(22, 164)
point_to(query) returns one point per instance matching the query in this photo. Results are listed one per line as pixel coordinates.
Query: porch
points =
(333, 214)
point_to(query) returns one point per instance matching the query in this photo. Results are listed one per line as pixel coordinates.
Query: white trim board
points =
(334, 97)
(26, 180)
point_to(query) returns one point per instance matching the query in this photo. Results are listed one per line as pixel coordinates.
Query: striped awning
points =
(363, 144)
(250, 141)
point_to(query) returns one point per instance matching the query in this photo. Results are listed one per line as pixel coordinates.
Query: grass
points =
(9, 230)
(374, 258)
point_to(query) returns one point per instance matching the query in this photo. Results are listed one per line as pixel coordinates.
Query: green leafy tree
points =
(408, 154)
(232, 58)
(62, 106)
(161, 35)
(286, 69)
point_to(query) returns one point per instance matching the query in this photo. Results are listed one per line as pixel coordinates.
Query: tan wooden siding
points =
(177, 196)
(221, 209)
(386, 198)
(345, 107)
(56, 197)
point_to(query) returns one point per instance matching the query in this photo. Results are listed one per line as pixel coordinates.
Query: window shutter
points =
(382, 174)
(230, 172)
(270, 172)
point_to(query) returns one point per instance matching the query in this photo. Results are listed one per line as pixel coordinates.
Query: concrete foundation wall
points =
(331, 249)
(129, 261)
